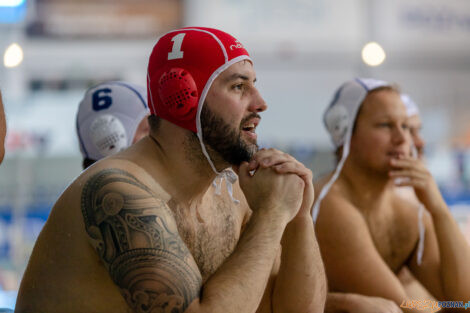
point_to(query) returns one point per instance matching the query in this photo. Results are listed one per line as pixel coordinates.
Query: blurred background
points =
(53, 50)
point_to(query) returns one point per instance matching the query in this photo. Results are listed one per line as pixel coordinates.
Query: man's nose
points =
(419, 141)
(400, 135)
(257, 104)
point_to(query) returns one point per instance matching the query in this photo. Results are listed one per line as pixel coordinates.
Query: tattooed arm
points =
(137, 239)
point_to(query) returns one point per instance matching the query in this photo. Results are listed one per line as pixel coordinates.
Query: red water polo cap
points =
(181, 69)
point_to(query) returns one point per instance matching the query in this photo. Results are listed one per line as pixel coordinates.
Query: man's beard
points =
(224, 139)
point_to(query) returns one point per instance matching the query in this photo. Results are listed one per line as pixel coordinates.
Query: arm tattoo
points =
(136, 237)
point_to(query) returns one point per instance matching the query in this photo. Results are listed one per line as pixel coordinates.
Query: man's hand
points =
(300, 263)
(413, 172)
(267, 188)
(445, 270)
(284, 163)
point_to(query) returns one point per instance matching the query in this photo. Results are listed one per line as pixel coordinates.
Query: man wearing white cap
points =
(415, 124)
(366, 231)
(164, 226)
(111, 117)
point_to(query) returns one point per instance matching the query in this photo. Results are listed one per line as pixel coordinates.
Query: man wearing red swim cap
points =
(166, 225)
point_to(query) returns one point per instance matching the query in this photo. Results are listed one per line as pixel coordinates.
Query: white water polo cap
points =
(411, 106)
(341, 114)
(339, 120)
(108, 117)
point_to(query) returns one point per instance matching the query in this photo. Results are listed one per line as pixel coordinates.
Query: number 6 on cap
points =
(176, 52)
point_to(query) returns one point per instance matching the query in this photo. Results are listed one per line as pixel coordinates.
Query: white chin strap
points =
(227, 174)
(419, 256)
(230, 179)
(326, 188)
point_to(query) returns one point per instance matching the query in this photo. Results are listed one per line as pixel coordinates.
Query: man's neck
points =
(369, 187)
(176, 161)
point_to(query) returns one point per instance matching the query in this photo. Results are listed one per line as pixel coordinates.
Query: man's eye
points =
(405, 126)
(238, 86)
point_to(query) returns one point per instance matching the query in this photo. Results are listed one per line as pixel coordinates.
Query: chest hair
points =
(209, 231)
(395, 236)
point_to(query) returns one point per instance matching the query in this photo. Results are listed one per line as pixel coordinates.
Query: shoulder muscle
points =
(136, 237)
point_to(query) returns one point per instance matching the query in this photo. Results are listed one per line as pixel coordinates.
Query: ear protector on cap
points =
(178, 92)
(337, 122)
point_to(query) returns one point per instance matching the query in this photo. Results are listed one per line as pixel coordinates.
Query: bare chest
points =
(210, 231)
(395, 236)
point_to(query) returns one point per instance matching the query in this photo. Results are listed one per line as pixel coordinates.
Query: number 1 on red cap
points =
(176, 52)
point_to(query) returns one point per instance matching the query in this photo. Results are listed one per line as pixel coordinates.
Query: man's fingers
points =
(411, 182)
(281, 162)
(415, 167)
(253, 165)
(304, 173)
(294, 168)
(408, 164)
(408, 174)
(400, 173)
(268, 160)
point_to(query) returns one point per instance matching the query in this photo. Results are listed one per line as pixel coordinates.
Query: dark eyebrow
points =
(238, 76)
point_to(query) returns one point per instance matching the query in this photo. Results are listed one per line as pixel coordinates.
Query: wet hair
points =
(87, 162)
(154, 123)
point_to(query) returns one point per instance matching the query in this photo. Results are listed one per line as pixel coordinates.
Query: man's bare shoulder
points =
(345, 241)
(134, 232)
(337, 205)
(340, 222)
(120, 165)
(120, 211)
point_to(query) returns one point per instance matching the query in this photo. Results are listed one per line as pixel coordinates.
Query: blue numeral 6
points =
(101, 99)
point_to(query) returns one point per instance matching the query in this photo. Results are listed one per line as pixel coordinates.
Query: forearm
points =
(337, 302)
(454, 254)
(239, 284)
(300, 284)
